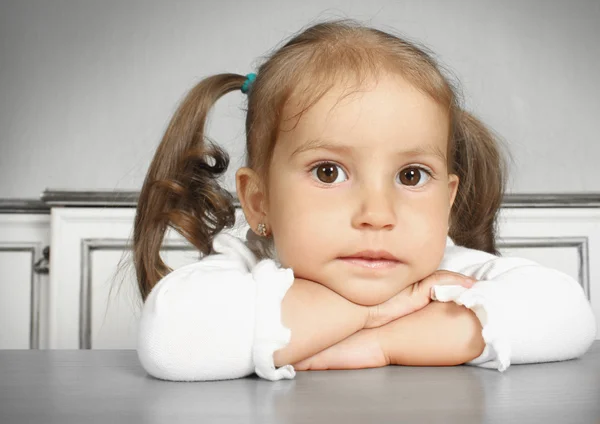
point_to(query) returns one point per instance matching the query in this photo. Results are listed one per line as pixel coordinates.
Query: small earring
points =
(262, 229)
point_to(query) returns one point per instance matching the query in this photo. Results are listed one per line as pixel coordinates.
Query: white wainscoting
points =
(90, 298)
(93, 295)
(566, 239)
(22, 290)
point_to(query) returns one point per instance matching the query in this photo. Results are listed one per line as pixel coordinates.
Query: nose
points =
(375, 210)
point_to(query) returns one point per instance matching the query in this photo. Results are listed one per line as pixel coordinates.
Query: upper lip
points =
(373, 254)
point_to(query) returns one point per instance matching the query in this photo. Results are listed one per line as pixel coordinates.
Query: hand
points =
(414, 297)
(360, 350)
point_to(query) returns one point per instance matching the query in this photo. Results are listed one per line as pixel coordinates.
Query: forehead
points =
(386, 112)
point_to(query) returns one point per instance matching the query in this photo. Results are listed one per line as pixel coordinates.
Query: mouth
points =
(372, 260)
(371, 263)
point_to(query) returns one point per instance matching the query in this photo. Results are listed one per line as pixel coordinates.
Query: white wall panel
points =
(88, 87)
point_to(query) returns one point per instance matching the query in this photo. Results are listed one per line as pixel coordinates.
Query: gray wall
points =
(88, 87)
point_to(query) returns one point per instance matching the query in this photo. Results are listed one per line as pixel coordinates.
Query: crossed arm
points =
(327, 333)
(440, 334)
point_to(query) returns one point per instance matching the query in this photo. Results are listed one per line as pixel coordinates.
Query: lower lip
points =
(372, 264)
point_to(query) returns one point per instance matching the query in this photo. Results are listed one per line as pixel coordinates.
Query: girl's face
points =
(367, 172)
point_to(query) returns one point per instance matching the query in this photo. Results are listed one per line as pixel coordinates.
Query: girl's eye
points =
(413, 175)
(327, 172)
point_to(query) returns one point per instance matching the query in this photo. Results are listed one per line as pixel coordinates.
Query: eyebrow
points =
(317, 143)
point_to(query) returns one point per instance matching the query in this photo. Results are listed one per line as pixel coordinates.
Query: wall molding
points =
(34, 249)
(581, 244)
(88, 246)
(128, 199)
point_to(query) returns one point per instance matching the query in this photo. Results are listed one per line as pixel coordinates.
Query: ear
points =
(252, 196)
(453, 181)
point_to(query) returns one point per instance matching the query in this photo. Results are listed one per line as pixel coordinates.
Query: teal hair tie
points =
(248, 83)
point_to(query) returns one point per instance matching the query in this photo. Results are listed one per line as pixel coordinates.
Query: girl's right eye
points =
(327, 172)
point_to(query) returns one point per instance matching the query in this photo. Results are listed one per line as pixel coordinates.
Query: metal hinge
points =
(43, 265)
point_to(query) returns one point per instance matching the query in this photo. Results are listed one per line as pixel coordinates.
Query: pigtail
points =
(181, 188)
(481, 167)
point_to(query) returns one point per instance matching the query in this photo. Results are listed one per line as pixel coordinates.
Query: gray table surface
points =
(110, 386)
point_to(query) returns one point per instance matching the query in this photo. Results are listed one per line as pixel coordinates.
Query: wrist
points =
(365, 313)
(442, 333)
(318, 318)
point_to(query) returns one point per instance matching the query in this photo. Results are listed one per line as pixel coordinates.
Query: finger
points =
(414, 297)
(448, 278)
(466, 283)
(302, 365)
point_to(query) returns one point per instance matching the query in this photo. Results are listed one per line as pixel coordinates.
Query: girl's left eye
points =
(413, 175)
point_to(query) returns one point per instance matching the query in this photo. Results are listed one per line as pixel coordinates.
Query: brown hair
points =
(181, 188)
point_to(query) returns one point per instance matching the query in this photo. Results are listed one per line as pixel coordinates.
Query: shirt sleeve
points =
(216, 319)
(529, 313)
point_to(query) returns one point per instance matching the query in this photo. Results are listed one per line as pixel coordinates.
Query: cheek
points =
(301, 237)
(295, 233)
(294, 221)
(429, 229)
(428, 220)
(302, 209)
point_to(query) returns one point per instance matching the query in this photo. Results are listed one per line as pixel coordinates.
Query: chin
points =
(369, 298)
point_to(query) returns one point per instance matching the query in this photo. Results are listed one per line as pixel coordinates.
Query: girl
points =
(368, 193)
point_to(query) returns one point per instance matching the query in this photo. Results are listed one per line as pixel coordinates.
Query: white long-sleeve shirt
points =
(220, 318)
